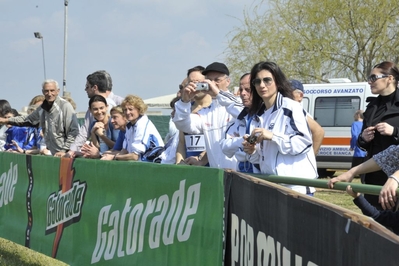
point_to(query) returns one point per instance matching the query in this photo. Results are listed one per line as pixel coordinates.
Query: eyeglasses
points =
(373, 78)
(267, 81)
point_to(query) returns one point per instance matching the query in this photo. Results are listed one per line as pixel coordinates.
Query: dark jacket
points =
(387, 218)
(380, 142)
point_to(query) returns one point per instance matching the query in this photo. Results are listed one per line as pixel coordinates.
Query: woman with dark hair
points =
(380, 128)
(283, 141)
(102, 133)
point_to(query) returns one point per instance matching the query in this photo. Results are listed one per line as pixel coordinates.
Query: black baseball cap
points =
(216, 67)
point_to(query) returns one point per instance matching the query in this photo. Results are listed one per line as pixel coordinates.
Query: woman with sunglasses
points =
(283, 141)
(380, 126)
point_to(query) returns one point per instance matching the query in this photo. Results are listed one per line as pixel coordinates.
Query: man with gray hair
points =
(55, 116)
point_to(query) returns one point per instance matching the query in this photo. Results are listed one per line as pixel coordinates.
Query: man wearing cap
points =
(298, 90)
(315, 128)
(213, 120)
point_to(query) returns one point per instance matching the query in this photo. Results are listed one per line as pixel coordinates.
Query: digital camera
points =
(252, 139)
(202, 86)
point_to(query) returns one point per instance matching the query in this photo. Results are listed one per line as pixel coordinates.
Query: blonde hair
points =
(117, 109)
(36, 99)
(135, 101)
(70, 100)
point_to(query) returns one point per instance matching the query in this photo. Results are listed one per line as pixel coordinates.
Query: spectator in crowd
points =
(118, 120)
(168, 156)
(97, 83)
(182, 85)
(4, 104)
(71, 101)
(214, 120)
(55, 116)
(141, 135)
(35, 102)
(116, 98)
(356, 129)
(315, 128)
(386, 161)
(103, 135)
(191, 147)
(19, 139)
(232, 145)
(381, 120)
(284, 139)
(387, 218)
(172, 127)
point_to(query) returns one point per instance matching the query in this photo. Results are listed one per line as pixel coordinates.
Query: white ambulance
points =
(333, 106)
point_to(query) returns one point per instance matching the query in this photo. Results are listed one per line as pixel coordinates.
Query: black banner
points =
(267, 225)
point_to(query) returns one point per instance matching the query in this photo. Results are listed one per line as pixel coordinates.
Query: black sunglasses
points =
(374, 78)
(267, 81)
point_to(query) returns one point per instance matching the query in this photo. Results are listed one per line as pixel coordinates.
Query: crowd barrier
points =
(91, 212)
(97, 212)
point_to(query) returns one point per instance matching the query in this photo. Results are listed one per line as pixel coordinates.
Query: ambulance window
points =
(305, 104)
(336, 111)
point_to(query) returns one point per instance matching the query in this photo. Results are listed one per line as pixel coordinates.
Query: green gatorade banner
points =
(112, 213)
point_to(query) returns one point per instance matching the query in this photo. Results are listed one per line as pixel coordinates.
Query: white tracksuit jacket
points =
(289, 152)
(211, 121)
(232, 143)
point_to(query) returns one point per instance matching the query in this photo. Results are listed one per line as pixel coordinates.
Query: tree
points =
(313, 40)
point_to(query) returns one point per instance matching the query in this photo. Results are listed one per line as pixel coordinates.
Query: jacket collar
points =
(129, 125)
(46, 105)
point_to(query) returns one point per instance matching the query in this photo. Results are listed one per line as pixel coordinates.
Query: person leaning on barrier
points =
(315, 128)
(283, 142)
(19, 139)
(387, 218)
(55, 116)
(141, 134)
(35, 103)
(214, 120)
(232, 145)
(388, 162)
(381, 120)
(188, 151)
(118, 120)
(168, 156)
(102, 132)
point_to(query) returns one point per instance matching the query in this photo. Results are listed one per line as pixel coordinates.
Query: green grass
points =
(14, 254)
(337, 197)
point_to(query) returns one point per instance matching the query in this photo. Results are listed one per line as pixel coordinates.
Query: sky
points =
(146, 46)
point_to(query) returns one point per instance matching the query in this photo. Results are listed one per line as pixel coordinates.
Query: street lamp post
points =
(39, 36)
(64, 90)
